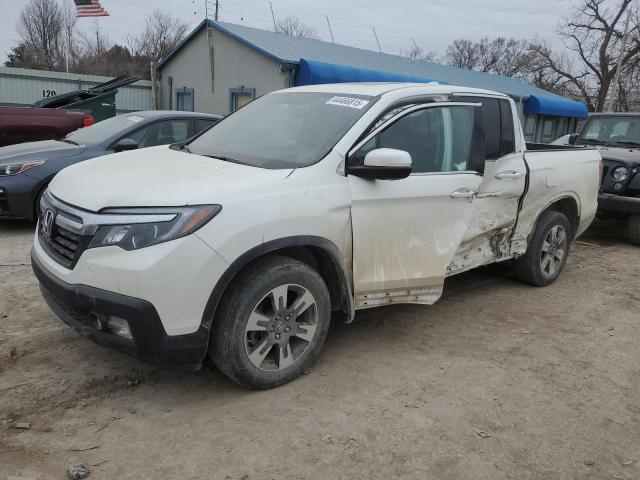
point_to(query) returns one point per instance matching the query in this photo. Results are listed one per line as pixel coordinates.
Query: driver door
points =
(406, 232)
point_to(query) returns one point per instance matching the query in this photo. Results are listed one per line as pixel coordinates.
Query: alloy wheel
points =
(554, 249)
(281, 327)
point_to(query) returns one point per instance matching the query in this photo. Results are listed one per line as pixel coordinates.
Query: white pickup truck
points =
(305, 204)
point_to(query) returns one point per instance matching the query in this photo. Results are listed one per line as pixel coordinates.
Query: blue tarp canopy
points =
(313, 72)
(556, 106)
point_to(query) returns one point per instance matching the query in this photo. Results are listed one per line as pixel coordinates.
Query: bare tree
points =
(418, 53)
(294, 27)
(40, 27)
(162, 33)
(594, 36)
(503, 56)
(463, 54)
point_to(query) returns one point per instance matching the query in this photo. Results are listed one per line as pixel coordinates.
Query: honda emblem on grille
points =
(47, 222)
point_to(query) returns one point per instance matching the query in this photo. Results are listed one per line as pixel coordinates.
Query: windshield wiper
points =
(629, 142)
(66, 140)
(226, 159)
(591, 141)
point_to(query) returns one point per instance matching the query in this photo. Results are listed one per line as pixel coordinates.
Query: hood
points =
(629, 156)
(45, 150)
(158, 177)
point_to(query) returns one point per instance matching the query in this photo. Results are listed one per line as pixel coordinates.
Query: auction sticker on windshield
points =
(348, 102)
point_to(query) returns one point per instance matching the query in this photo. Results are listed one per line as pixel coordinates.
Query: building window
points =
(239, 97)
(184, 99)
(530, 128)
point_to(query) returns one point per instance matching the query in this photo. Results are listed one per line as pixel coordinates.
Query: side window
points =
(204, 124)
(507, 135)
(491, 127)
(497, 125)
(162, 133)
(438, 139)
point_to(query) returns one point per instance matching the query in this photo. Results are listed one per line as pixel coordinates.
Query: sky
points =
(432, 23)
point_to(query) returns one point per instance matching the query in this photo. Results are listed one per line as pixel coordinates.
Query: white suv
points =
(307, 203)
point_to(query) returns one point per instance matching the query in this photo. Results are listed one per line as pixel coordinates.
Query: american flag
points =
(90, 8)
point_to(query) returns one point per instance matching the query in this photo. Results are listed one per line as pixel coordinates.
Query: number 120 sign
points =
(48, 93)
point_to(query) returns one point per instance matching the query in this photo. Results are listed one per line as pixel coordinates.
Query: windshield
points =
(613, 130)
(104, 130)
(283, 130)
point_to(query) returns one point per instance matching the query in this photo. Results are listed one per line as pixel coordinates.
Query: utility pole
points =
(330, 32)
(275, 28)
(377, 41)
(616, 80)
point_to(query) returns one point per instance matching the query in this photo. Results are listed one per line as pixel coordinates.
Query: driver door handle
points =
(464, 193)
(508, 174)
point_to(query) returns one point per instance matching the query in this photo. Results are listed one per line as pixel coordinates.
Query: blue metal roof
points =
(290, 51)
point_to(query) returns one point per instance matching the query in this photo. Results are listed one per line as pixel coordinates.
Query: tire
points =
(633, 225)
(547, 252)
(261, 343)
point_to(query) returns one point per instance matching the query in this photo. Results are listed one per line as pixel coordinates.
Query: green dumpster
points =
(101, 106)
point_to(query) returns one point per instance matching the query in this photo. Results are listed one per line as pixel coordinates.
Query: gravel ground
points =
(498, 380)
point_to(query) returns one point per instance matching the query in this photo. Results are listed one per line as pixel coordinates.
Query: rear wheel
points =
(633, 225)
(547, 251)
(271, 323)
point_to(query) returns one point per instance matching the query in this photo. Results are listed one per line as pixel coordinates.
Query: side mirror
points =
(125, 144)
(573, 137)
(384, 164)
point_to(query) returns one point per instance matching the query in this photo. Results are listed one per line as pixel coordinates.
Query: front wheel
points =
(271, 323)
(547, 251)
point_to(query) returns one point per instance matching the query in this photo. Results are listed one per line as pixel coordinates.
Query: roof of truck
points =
(376, 89)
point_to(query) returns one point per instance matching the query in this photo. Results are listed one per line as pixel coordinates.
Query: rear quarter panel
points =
(557, 174)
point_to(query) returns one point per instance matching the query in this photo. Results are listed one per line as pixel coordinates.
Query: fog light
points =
(119, 326)
(617, 186)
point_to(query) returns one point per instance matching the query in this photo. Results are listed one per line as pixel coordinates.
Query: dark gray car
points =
(27, 168)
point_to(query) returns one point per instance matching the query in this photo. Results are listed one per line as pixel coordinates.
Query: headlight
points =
(620, 174)
(140, 233)
(16, 168)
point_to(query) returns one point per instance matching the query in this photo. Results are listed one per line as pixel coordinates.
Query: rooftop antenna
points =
(275, 28)
(377, 41)
(330, 32)
(216, 11)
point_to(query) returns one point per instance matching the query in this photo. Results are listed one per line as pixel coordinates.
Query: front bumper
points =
(17, 196)
(79, 306)
(612, 203)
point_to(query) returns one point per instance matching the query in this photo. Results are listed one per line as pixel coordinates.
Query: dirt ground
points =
(498, 380)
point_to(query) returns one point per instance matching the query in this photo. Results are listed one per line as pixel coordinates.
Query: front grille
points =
(63, 244)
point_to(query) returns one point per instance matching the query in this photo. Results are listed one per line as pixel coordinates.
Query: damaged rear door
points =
(406, 232)
(495, 210)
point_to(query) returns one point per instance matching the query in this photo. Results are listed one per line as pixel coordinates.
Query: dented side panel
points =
(405, 234)
(555, 175)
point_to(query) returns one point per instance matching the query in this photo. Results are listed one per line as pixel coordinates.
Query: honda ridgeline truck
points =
(307, 203)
